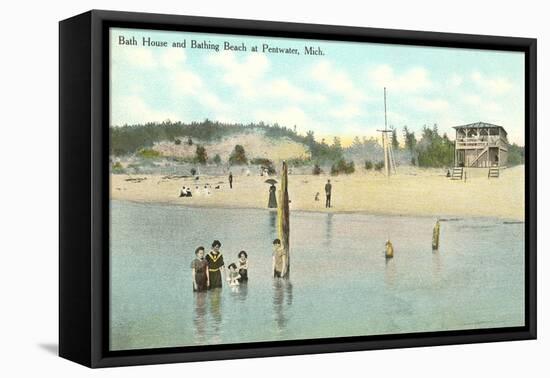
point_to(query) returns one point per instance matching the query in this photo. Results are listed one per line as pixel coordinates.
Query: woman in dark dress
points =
(215, 265)
(272, 204)
(200, 273)
(243, 266)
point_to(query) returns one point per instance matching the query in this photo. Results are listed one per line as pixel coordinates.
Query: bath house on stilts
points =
(480, 145)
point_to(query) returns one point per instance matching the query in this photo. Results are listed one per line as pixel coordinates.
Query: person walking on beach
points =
(279, 259)
(230, 180)
(328, 192)
(272, 203)
(215, 265)
(199, 268)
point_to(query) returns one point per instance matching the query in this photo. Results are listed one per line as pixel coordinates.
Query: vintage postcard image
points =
(267, 189)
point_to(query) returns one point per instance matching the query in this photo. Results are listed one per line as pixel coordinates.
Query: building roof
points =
(480, 125)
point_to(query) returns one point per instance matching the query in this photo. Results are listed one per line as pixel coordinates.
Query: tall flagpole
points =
(385, 138)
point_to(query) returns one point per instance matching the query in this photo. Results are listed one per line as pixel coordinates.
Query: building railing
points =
(482, 141)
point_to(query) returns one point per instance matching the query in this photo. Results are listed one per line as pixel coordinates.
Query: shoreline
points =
(415, 192)
(441, 218)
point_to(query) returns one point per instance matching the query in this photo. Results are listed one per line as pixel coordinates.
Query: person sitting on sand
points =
(279, 259)
(216, 267)
(185, 192)
(233, 276)
(317, 196)
(243, 266)
(199, 267)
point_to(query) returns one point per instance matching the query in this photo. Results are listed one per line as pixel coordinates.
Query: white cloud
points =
(241, 74)
(337, 81)
(247, 76)
(212, 102)
(282, 88)
(346, 111)
(413, 80)
(430, 105)
(455, 80)
(190, 86)
(288, 116)
(173, 58)
(133, 110)
(481, 104)
(186, 82)
(135, 56)
(492, 85)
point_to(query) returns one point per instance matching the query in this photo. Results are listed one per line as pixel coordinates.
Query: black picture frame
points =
(84, 192)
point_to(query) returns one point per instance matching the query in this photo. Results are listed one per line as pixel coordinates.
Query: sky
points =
(339, 93)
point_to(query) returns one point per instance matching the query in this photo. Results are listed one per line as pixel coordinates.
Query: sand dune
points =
(255, 144)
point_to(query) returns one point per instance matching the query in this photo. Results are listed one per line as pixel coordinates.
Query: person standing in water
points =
(230, 180)
(272, 203)
(279, 259)
(216, 268)
(243, 266)
(328, 192)
(199, 267)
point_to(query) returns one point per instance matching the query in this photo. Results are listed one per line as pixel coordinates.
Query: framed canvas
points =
(235, 188)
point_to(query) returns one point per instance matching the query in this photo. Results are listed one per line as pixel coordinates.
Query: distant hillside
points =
(255, 143)
(259, 140)
(274, 142)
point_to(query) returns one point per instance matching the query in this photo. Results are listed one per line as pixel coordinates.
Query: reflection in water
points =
(216, 314)
(288, 291)
(240, 292)
(243, 292)
(199, 320)
(273, 221)
(208, 306)
(390, 273)
(328, 229)
(437, 264)
(282, 289)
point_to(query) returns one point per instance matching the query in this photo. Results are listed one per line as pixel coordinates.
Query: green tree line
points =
(129, 139)
(431, 150)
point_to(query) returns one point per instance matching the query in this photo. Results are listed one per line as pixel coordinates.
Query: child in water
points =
(243, 266)
(233, 276)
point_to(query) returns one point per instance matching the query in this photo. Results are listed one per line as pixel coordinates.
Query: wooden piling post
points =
(389, 249)
(283, 217)
(435, 236)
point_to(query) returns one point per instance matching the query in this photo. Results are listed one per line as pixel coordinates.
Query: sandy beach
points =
(421, 192)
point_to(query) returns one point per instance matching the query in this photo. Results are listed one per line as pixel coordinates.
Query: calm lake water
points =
(340, 285)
